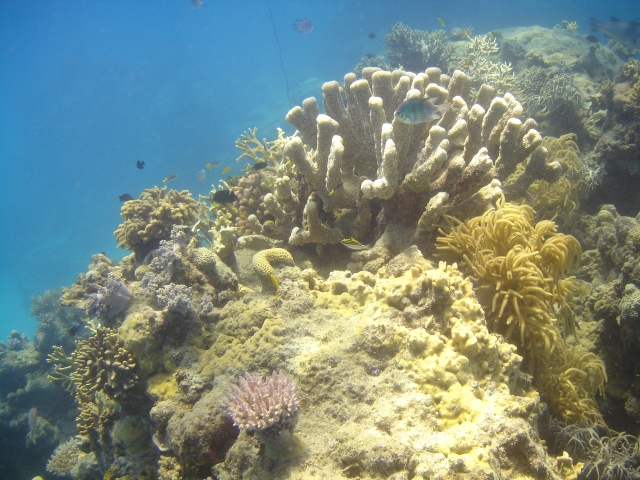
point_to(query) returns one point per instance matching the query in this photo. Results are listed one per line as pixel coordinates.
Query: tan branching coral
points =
(359, 151)
(150, 218)
(521, 270)
(261, 151)
(101, 370)
(103, 363)
(262, 266)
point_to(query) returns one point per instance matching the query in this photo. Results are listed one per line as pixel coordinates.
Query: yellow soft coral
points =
(562, 196)
(521, 270)
(264, 270)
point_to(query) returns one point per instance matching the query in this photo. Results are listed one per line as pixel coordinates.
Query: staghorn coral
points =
(547, 90)
(370, 61)
(257, 151)
(521, 268)
(262, 266)
(478, 62)
(567, 25)
(103, 363)
(414, 50)
(64, 458)
(258, 403)
(150, 218)
(361, 147)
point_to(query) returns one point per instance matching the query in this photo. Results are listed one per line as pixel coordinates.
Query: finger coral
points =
(151, 217)
(358, 151)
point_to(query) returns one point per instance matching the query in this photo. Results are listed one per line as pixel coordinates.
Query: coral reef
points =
(151, 217)
(257, 403)
(414, 50)
(521, 268)
(262, 266)
(402, 364)
(449, 167)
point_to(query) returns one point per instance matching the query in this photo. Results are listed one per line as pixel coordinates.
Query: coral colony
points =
(415, 299)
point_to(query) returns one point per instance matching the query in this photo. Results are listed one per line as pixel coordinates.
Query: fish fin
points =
(443, 107)
(593, 23)
(613, 19)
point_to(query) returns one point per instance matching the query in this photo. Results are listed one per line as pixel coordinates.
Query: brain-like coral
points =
(151, 217)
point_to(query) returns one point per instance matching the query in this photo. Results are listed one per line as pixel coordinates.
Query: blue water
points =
(89, 87)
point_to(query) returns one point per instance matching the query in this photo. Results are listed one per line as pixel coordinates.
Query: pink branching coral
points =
(257, 403)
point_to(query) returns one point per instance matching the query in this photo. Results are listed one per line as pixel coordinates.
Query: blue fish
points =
(626, 33)
(420, 110)
(201, 175)
(303, 26)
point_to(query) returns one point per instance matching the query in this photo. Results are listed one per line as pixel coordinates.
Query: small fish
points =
(490, 35)
(226, 170)
(74, 329)
(441, 22)
(125, 197)
(368, 56)
(170, 178)
(592, 39)
(303, 26)
(211, 165)
(139, 164)
(260, 165)
(224, 196)
(201, 175)
(420, 110)
(353, 244)
(33, 422)
(371, 36)
(626, 33)
(197, 4)
(334, 190)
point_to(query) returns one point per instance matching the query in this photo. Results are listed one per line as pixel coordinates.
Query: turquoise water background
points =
(89, 87)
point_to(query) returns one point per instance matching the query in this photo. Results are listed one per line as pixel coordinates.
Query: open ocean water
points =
(87, 88)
